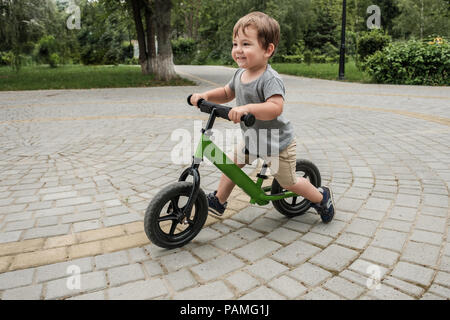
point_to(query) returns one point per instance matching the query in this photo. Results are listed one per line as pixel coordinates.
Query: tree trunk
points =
(164, 68)
(143, 56)
(151, 48)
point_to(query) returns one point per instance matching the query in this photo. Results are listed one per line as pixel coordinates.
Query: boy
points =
(259, 90)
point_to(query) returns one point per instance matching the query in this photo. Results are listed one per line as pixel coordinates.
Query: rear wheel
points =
(164, 222)
(296, 206)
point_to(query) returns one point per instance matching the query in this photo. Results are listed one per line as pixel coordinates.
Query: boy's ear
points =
(270, 49)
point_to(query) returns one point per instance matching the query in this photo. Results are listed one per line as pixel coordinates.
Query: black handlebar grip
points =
(248, 119)
(189, 100)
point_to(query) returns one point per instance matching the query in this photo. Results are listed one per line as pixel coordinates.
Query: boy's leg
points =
(226, 186)
(217, 199)
(305, 189)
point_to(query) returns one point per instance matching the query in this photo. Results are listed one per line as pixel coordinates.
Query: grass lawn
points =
(327, 71)
(80, 77)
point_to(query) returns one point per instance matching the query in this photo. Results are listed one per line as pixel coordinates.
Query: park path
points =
(79, 167)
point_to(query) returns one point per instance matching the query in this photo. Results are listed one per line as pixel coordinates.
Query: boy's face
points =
(247, 51)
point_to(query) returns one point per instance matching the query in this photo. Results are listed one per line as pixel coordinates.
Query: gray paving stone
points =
(178, 260)
(217, 267)
(41, 232)
(61, 269)
(351, 240)
(421, 253)
(387, 293)
(206, 252)
(283, 235)
(229, 242)
(389, 239)
(181, 280)
(124, 274)
(57, 289)
(310, 275)
(249, 214)
(266, 269)
(109, 260)
(10, 236)
(153, 268)
(317, 239)
(335, 257)
(363, 227)
(380, 256)
(121, 219)
(413, 273)
(139, 290)
(321, 294)
(404, 286)
(23, 293)
(212, 291)
(98, 295)
(256, 249)
(242, 281)
(344, 288)
(287, 286)
(17, 278)
(295, 253)
(377, 204)
(262, 293)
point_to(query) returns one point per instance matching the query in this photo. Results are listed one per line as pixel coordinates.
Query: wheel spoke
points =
(172, 228)
(174, 204)
(294, 201)
(168, 217)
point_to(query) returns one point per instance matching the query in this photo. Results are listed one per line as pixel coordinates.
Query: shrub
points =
(411, 62)
(6, 58)
(53, 60)
(45, 48)
(183, 50)
(369, 42)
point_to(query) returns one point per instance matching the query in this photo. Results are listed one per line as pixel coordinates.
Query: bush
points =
(369, 42)
(45, 51)
(184, 50)
(298, 58)
(6, 58)
(53, 60)
(411, 62)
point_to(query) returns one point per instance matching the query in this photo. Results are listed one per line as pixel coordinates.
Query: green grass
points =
(328, 71)
(80, 77)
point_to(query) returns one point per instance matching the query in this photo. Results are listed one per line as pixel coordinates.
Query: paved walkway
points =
(79, 167)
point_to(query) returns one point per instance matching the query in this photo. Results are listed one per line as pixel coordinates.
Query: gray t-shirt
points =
(264, 138)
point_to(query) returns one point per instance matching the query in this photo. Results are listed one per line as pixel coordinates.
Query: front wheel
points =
(164, 222)
(296, 206)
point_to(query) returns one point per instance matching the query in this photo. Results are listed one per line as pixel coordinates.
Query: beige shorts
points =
(282, 166)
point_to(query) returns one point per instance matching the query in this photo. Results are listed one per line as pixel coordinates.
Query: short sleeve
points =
(272, 87)
(232, 82)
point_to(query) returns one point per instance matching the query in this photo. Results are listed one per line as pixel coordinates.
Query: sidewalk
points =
(79, 167)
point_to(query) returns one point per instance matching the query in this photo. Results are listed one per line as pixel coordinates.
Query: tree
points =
(157, 60)
(22, 23)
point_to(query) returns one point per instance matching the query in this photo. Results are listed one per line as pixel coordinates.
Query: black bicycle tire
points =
(285, 208)
(151, 225)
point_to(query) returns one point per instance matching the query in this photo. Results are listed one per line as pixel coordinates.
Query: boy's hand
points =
(236, 113)
(195, 97)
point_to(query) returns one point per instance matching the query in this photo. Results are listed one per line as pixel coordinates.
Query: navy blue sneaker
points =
(326, 207)
(214, 204)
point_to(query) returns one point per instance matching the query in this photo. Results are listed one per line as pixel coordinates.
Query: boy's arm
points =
(269, 110)
(218, 95)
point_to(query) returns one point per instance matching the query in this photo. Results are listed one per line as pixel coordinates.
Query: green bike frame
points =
(207, 148)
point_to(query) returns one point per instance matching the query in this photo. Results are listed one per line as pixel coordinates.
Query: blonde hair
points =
(268, 28)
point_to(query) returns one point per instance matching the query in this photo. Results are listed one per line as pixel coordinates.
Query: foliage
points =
(369, 42)
(184, 50)
(412, 62)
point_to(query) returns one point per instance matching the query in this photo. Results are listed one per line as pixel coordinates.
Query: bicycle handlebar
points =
(221, 111)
